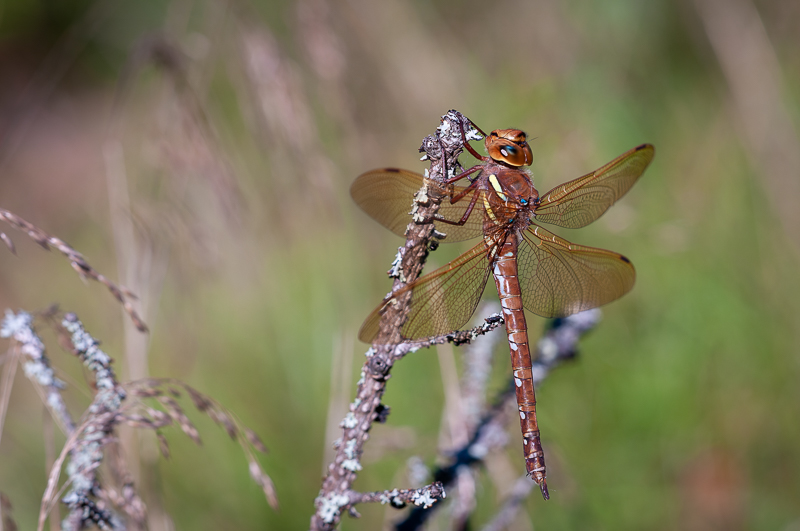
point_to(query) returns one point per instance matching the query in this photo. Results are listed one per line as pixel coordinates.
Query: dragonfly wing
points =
(559, 278)
(577, 203)
(387, 196)
(441, 301)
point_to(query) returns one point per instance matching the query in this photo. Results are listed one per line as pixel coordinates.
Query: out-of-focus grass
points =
(681, 410)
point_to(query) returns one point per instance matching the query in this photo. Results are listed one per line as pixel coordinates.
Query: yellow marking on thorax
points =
(488, 208)
(497, 188)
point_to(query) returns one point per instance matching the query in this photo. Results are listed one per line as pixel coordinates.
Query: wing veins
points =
(386, 195)
(570, 205)
(560, 278)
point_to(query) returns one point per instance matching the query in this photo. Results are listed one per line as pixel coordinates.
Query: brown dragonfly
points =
(532, 267)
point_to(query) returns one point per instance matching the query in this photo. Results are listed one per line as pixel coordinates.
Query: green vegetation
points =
(256, 269)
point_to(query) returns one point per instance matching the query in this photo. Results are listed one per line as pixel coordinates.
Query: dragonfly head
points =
(509, 146)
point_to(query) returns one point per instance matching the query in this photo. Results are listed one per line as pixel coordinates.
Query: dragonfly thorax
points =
(510, 196)
(511, 186)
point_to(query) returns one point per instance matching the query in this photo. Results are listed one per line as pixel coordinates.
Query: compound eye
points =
(511, 154)
(513, 151)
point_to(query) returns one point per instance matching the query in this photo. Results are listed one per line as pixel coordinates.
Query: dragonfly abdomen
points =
(508, 289)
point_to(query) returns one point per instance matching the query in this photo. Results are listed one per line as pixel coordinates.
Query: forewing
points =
(387, 196)
(577, 203)
(559, 278)
(442, 301)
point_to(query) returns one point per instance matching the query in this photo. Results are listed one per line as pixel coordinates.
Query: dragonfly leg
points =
(461, 175)
(466, 144)
(475, 126)
(467, 213)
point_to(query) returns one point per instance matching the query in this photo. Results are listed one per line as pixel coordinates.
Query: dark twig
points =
(458, 337)
(559, 344)
(333, 499)
(79, 264)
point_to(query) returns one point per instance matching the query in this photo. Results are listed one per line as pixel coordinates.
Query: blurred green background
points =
(201, 153)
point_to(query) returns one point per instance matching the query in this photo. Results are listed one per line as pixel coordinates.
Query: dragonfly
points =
(533, 268)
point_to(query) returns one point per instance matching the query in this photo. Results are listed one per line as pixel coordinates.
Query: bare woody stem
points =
(424, 497)
(336, 495)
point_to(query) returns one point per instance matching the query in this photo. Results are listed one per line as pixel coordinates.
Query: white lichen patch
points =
(15, 324)
(396, 270)
(93, 357)
(421, 197)
(423, 499)
(349, 421)
(351, 464)
(350, 449)
(472, 134)
(331, 506)
(388, 497)
(37, 367)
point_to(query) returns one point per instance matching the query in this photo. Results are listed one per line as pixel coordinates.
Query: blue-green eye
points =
(509, 151)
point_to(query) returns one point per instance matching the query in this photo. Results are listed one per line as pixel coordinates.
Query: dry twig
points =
(165, 390)
(79, 264)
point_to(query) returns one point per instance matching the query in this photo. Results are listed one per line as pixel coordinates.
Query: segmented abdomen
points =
(508, 289)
